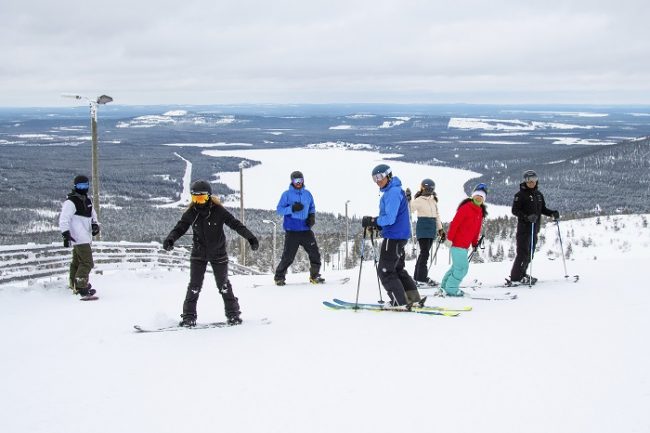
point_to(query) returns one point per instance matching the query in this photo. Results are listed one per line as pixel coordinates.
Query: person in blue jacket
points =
(395, 226)
(297, 206)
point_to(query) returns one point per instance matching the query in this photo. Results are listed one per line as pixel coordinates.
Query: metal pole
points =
(241, 204)
(274, 225)
(346, 233)
(559, 235)
(532, 250)
(95, 162)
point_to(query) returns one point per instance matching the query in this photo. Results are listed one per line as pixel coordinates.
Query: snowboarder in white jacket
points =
(78, 224)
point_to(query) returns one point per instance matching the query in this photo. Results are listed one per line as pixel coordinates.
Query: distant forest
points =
(137, 172)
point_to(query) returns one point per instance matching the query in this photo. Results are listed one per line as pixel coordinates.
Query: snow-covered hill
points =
(564, 357)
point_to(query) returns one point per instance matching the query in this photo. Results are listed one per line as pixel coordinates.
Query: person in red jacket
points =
(464, 230)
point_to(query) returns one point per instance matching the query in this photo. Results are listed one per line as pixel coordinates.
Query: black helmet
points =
(380, 172)
(297, 175)
(81, 184)
(530, 175)
(201, 187)
(428, 186)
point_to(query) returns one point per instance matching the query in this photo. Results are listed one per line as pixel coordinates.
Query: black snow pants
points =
(421, 272)
(197, 273)
(293, 240)
(391, 271)
(523, 258)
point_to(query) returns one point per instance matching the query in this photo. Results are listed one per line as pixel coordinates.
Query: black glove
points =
(311, 220)
(369, 222)
(67, 238)
(168, 244)
(297, 207)
(408, 194)
(556, 215)
(442, 235)
(532, 218)
(95, 229)
(255, 244)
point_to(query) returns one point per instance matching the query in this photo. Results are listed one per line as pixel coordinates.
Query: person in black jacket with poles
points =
(207, 216)
(528, 206)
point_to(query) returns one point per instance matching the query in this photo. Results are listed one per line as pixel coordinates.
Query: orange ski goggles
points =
(200, 198)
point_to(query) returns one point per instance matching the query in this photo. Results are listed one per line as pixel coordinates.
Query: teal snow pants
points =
(459, 267)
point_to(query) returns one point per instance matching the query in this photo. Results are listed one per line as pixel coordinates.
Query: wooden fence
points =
(31, 261)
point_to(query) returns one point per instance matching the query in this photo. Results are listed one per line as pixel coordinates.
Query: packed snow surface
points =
(564, 357)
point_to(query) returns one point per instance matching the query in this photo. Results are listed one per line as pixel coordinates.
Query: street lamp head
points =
(68, 95)
(104, 99)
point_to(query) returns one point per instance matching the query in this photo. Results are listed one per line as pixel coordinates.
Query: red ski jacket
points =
(465, 228)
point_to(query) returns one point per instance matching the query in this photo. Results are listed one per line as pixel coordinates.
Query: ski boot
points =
(189, 320)
(234, 320)
(427, 284)
(86, 291)
(528, 280)
(316, 279)
(280, 282)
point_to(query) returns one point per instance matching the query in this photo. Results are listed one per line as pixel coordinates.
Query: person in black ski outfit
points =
(528, 206)
(207, 216)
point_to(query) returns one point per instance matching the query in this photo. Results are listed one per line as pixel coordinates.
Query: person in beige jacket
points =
(427, 227)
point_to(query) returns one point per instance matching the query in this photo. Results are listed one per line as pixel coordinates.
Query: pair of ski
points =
(140, 329)
(339, 304)
(567, 279)
(341, 281)
(473, 293)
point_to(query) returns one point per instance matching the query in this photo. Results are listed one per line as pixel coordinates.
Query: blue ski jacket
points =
(394, 212)
(296, 221)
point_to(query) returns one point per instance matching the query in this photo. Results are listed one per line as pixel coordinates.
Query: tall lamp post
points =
(100, 100)
(347, 226)
(274, 228)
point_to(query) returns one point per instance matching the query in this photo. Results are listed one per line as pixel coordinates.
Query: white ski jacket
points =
(79, 225)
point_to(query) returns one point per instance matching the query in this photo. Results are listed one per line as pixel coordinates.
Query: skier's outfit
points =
(208, 246)
(78, 224)
(464, 231)
(395, 226)
(427, 227)
(528, 206)
(297, 207)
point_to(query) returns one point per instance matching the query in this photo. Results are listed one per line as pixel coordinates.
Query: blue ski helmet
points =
(380, 172)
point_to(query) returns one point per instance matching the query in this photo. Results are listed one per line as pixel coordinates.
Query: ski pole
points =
(559, 235)
(478, 244)
(532, 251)
(408, 202)
(435, 255)
(363, 245)
(376, 260)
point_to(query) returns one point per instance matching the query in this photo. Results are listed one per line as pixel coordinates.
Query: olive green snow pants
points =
(82, 263)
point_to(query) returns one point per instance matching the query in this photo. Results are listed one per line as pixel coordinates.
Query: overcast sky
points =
(319, 51)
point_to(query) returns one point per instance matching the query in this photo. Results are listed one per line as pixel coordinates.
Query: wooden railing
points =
(31, 261)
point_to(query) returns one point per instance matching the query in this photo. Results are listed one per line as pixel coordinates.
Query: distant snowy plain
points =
(334, 174)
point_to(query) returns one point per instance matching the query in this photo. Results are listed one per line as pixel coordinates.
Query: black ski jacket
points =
(529, 202)
(208, 239)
